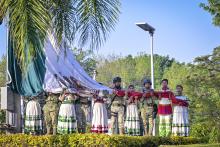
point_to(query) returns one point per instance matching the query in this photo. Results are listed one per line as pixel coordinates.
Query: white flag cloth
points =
(63, 71)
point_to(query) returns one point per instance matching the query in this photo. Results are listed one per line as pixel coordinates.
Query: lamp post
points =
(146, 27)
(94, 74)
(92, 101)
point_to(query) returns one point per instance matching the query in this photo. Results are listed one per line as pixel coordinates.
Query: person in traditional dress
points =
(146, 106)
(33, 117)
(117, 107)
(166, 99)
(100, 116)
(180, 124)
(67, 117)
(51, 109)
(132, 121)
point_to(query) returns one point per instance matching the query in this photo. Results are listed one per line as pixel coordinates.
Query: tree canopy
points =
(213, 7)
(133, 70)
(29, 22)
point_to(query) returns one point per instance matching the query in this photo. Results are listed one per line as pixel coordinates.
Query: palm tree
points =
(87, 22)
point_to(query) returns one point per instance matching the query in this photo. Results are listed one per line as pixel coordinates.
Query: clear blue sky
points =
(183, 29)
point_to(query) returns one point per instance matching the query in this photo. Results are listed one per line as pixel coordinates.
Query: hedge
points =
(94, 140)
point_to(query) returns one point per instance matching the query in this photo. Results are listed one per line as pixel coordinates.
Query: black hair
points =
(166, 80)
(179, 86)
(131, 86)
(116, 79)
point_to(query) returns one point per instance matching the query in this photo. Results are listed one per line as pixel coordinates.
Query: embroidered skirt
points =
(33, 118)
(132, 122)
(180, 124)
(100, 118)
(67, 119)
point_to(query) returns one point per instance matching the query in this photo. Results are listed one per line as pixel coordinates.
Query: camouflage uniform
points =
(51, 109)
(117, 115)
(147, 109)
(81, 106)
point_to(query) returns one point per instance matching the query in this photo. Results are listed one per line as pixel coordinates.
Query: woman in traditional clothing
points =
(67, 117)
(166, 100)
(33, 117)
(132, 121)
(100, 116)
(180, 123)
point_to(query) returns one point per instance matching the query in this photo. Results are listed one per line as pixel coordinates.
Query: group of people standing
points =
(131, 112)
(142, 109)
(63, 113)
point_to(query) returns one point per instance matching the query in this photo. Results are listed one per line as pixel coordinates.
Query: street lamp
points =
(146, 27)
(94, 74)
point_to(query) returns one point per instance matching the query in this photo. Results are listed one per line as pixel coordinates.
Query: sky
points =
(183, 30)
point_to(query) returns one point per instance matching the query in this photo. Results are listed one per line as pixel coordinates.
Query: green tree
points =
(30, 20)
(177, 74)
(203, 82)
(2, 82)
(3, 71)
(108, 68)
(86, 59)
(213, 7)
(132, 69)
(160, 64)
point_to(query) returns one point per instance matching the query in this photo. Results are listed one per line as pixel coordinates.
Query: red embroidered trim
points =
(99, 129)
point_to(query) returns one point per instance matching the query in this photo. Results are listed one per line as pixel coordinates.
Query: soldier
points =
(51, 109)
(147, 108)
(117, 107)
(81, 105)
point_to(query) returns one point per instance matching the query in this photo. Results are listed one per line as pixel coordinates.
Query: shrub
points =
(99, 140)
(2, 116)
(200, 130)
(214, 136)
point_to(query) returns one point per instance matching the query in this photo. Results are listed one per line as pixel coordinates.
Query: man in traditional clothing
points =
(117, 107)
(166, 99)
(81, 105)
(180, 124)
(51, 109)
(146, 108)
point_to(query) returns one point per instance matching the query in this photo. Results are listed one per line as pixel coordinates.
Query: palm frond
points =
(64, 19)
(4, 5)
(96, 18)
(29, 21)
